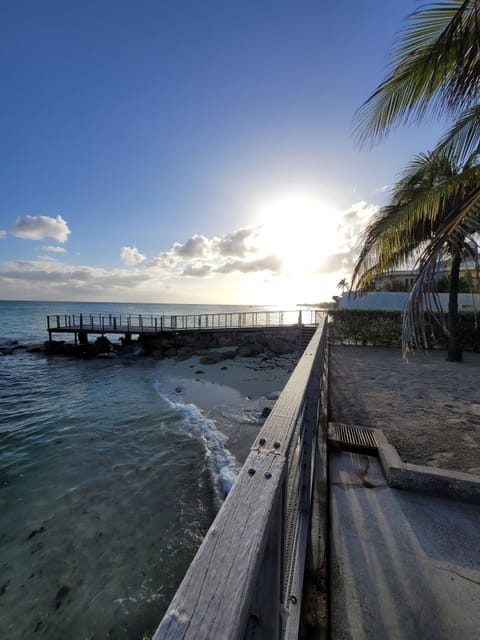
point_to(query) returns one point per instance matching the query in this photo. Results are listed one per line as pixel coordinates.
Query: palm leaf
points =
(435, 69)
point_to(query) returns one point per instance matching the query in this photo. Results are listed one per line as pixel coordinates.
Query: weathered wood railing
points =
(116, 323)
(247, 577)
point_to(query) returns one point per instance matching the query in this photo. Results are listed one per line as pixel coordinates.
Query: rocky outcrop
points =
(213, 346)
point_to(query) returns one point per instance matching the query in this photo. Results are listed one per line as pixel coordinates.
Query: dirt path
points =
(428, 408)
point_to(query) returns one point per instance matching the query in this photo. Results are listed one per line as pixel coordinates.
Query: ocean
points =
(108, 482)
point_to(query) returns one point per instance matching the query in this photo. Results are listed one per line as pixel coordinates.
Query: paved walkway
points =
(404, 565)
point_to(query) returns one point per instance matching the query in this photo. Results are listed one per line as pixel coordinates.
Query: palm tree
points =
(343, 285)
(435, 70)
(416, 225)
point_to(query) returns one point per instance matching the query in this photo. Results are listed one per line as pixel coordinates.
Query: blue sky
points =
(190, 151)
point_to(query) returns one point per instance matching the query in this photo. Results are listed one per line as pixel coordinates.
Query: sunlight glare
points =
(300, 230)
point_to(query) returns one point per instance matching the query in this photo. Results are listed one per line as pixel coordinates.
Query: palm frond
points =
(435, 70)
(462, 140)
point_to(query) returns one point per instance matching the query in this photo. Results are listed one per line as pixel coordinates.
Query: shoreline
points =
(251, 377)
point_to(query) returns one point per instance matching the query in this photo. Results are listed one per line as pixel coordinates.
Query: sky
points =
(191, 151)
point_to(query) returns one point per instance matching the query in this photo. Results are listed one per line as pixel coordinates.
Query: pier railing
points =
(247, 577)
(119, 323)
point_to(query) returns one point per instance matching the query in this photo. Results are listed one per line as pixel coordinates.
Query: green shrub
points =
(384, 329)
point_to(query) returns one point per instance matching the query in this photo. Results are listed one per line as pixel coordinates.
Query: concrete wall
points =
(395, 300)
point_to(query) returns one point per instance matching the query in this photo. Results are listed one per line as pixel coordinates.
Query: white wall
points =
(395, 300)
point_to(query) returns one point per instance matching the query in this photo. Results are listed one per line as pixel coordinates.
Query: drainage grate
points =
(352, 437)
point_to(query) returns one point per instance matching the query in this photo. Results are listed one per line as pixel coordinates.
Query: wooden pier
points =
(83, 324)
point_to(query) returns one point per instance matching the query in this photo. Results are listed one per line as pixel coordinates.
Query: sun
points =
(300, 229)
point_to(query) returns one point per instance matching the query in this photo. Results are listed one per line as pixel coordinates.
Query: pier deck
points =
(88, 323)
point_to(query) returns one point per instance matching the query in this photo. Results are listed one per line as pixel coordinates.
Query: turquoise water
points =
(107, 483)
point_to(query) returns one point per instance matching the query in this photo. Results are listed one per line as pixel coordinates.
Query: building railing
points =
(119, 323)
(246, 579)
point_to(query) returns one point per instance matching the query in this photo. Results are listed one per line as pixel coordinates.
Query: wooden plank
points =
(279, 427)
(214, 600)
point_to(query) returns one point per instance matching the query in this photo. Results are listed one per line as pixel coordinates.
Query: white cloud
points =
(54, 249)
(341, 262)
(195, 247)
(235, 244)
(353, 222)
(197, 270)
(131, 256)
(268, 263)
(41, 227)
(3, 234)
(248, 264)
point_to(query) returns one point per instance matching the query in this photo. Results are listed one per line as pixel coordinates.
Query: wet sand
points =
(250, 377)
(428, 408)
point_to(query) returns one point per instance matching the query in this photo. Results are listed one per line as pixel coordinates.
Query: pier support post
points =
(83, 337)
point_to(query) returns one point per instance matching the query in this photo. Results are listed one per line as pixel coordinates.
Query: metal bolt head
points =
(261, 442)
(251, 472)
(268, 475)
(276, 445)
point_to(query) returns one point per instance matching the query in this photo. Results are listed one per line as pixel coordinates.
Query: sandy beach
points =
(428, 408)
(229, 391)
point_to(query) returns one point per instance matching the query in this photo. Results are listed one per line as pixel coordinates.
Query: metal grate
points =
(353, 437)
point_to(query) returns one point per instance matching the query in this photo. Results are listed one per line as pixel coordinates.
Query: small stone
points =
(61, 594)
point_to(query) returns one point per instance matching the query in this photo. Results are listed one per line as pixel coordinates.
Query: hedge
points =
(384, 329)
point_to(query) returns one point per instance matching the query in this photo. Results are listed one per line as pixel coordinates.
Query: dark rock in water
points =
(33, 533)
(178, 389)
(102, 345)
(223, 368)
(61, 593)
(4, 587)
(266, 411)
(8, 348)
(36, 349)
(199, 371)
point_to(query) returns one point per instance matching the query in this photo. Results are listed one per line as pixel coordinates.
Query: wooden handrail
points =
(247, 575)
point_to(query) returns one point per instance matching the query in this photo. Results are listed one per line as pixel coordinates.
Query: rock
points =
(213, 358)
(61, 594)
(266, 411)
(178, 389)
(280, 346)
(250, 350)
(102, 345)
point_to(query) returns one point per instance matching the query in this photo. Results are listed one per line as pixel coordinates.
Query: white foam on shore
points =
(222, 463)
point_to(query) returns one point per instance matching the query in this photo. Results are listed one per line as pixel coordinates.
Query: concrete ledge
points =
(414, 477)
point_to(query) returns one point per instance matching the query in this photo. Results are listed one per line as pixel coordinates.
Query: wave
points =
(221, 462)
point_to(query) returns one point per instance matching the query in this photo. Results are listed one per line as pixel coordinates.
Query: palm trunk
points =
(454, 353)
